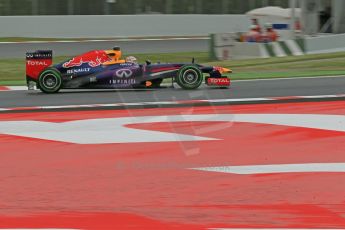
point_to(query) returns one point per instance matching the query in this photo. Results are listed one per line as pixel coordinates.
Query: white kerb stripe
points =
(263, 51)
(292, 45)
(279, 52)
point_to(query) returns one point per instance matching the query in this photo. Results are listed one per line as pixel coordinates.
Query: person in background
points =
(255, 23)
(253, 35)
(270, 34)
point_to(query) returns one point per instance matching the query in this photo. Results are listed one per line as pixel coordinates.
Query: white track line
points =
(238, 100)
(324, 96)
(277, 168)
(274, 228)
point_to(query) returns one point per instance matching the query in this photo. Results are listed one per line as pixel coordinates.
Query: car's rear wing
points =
(36, 62)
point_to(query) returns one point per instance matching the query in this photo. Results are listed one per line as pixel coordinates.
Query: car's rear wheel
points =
(50, 81)
(189, 77)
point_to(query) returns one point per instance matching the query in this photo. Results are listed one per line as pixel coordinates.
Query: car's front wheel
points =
(50, 81)
(189, 77)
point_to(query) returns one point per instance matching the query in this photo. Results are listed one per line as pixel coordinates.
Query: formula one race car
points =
(105, 69)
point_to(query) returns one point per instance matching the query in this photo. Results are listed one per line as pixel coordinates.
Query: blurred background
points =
(223, 22)
(300, 31)
(101, 7)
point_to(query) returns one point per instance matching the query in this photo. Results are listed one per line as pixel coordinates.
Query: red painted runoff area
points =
(48, 183)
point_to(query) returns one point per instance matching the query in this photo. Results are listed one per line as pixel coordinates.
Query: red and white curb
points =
(165, 103)
(13, 88)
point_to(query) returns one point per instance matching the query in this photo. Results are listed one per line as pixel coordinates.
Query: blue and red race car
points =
(105, 69)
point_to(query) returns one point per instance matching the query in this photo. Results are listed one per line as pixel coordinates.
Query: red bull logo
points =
(93, 58)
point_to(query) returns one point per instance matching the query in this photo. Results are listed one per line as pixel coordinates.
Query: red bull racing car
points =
(105, 69)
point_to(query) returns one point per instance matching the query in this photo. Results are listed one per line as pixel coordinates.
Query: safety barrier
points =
(225, 46)
(325, 44)
(101, 26)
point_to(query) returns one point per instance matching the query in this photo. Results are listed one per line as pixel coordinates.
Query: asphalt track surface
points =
(239, 89)
(18, 50)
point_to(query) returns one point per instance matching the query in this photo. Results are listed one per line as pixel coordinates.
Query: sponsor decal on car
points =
(93, 79)
(124, 73)
(218, 81)
(126, 64)
(122, 81)
(40, 55)
(81, 70)
(36, 63)
(93, 58)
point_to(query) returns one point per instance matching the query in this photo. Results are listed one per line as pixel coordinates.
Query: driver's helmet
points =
(132, 59)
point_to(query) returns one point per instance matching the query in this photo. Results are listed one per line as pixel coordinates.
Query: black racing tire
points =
(50, 81)
(189, 77)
